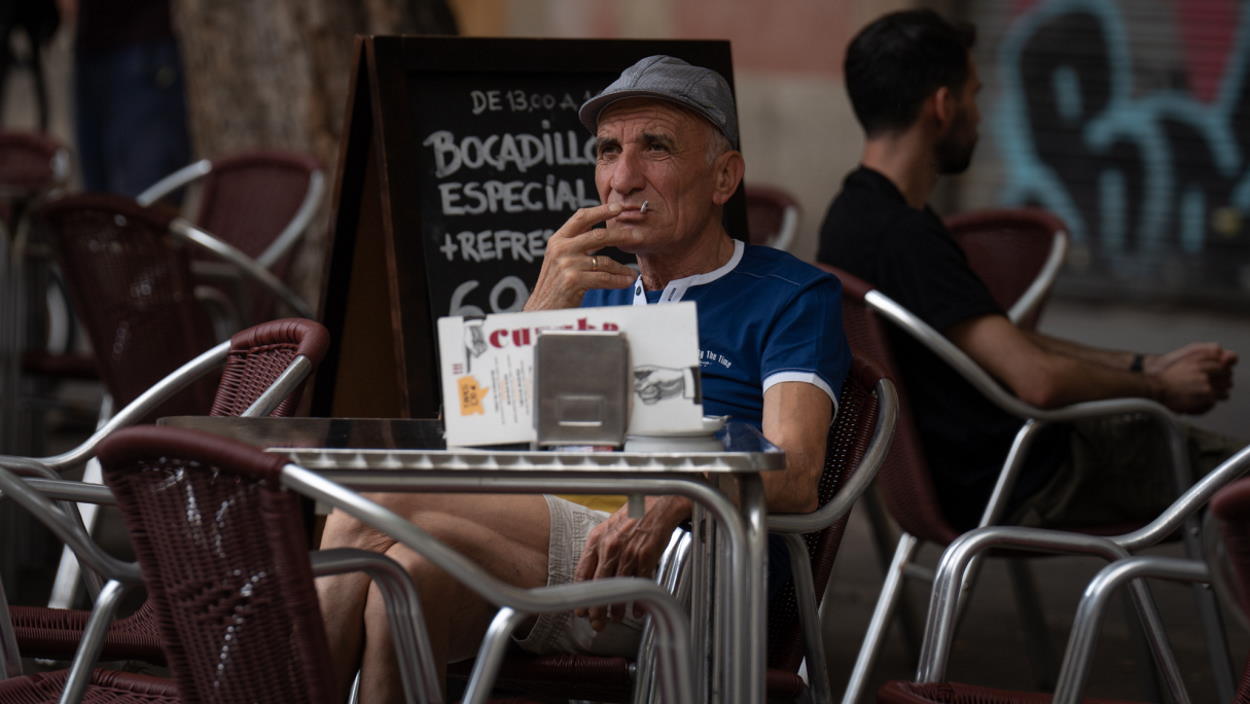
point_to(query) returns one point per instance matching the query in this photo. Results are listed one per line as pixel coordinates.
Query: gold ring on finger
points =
(594, 263)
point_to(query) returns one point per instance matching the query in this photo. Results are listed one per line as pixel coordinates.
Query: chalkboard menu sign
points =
(461, 156)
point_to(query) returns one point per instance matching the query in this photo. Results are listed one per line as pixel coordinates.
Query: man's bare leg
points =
(505, 534)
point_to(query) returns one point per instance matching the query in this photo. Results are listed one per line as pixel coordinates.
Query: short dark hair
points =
(897, 62)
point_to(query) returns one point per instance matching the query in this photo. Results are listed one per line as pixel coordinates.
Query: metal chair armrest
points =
(965, 549)
(282, 387)
(67, 529)
(954, 564)
(1088, 619)
(991, 389)
(844, 500)
(144, 404)
(246, 265)
(174, 181)
(1032, 296)
(299, 223)
(944, 601)
(1188, 503)
(221, 309)
(789, 226)
(71, 490)
(1033, 416)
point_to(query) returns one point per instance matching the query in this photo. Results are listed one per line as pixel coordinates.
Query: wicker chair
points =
(265, 367)
(906, 482)
(258, 203)
(130, 283)
(772, 216)
(1017, 253)
(1229, 499)
(237, 612)
(857, 442)
(223, 559)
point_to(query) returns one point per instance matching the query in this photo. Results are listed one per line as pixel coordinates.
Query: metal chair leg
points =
(818, 688)
(1209, 615)
(69, 572)
(882, 538)
(875, 637)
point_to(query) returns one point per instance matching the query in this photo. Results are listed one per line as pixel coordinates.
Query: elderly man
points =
(666, 165)
(913, 86)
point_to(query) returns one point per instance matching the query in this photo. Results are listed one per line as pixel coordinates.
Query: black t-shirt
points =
(908, 255)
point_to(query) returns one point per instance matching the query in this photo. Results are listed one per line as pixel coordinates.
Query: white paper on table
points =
(487, 369)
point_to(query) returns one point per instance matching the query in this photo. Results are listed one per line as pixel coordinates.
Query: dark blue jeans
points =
(130, 116)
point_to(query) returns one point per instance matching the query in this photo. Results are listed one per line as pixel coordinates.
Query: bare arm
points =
(1117, 359)
(1043, 375)
(796, 419)
(1122, 359)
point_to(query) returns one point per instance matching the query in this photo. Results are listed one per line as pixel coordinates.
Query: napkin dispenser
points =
(581, 387)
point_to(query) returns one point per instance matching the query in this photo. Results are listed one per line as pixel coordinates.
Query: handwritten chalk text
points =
(509, 151)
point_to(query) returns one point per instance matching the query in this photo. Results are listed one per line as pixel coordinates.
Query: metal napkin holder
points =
(581, 387)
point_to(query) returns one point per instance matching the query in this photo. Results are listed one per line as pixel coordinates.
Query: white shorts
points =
(563, 632)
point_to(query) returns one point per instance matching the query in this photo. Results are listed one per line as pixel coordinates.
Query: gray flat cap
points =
(667, 78)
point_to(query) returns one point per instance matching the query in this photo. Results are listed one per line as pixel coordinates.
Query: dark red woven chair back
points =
(223, 554)
(259, 355)
(130, 284)
(26, 162)
(248, 199)
(904, 480)
(1231, 506)
(1007, 249)
(848, 439)
(766, 208)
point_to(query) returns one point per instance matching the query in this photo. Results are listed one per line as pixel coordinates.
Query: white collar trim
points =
(676, 289)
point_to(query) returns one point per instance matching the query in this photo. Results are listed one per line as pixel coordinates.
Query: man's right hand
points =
(570, 266)
(1191, 379)
(622, 546)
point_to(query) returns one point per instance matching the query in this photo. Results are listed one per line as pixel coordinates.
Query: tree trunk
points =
(274, 75)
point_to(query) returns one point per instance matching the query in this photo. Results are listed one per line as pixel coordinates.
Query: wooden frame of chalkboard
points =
(459, 157)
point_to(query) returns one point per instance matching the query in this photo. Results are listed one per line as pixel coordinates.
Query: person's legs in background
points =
(130, 116)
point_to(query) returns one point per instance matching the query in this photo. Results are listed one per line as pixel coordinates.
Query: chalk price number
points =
(500, 300)
(519, 101)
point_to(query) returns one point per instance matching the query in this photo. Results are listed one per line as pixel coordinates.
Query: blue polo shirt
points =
(764, 317)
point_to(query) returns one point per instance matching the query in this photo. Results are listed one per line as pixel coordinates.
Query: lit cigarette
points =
(645, 205)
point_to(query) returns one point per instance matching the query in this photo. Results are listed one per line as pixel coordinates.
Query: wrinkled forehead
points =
(655, 112)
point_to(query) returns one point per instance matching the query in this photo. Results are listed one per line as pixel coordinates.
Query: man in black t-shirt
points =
(913, 87)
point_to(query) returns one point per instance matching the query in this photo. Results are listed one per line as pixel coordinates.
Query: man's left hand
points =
(628, 547)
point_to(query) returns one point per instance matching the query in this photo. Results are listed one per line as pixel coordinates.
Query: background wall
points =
(1131, 120)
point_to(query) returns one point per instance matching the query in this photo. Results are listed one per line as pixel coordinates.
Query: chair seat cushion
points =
(106, 686)
(55, 633)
